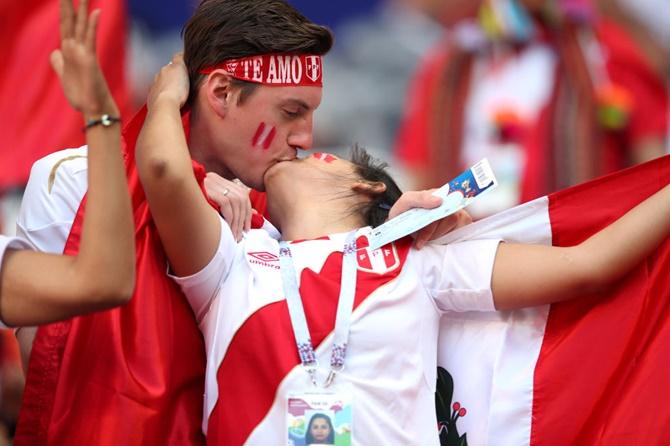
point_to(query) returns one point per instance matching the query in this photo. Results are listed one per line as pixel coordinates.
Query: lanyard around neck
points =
(345, 306)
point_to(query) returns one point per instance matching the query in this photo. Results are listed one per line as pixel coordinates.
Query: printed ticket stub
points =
(456, 194)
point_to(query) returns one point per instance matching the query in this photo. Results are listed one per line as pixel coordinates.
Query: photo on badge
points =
(318, 419)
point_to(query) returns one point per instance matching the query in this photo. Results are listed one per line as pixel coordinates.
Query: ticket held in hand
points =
(456, 194)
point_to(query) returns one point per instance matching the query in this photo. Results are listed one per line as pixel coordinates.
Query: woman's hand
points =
(76, 62)
(233, 200)
(426, 200)
(171, 83)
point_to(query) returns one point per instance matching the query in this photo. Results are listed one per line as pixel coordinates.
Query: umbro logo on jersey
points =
(264, 258)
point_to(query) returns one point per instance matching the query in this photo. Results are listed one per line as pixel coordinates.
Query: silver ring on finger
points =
(225, 191)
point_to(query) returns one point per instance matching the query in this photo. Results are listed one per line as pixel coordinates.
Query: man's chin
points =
(275, 168)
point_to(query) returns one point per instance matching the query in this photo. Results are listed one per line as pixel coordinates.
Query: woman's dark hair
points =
(309, 439)
(226, 29)
(376, 211)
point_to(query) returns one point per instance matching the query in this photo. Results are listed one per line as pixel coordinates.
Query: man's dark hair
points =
(376, 211)
(227, 29)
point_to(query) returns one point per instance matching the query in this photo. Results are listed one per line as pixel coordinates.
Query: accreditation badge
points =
(319, 417)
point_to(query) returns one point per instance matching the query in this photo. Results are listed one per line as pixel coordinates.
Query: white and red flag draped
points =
(583, 372)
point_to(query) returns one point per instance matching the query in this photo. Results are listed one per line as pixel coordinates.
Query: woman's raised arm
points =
(37, 288)
(528, 275)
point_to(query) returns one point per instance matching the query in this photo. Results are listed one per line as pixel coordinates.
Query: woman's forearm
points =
(616, 249)
(528, 275)
(107, 248)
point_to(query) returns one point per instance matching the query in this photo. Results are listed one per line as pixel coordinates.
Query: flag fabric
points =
(37, 118)
(588, 371)
(133, 375)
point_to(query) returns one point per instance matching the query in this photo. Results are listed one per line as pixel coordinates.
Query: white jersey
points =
(55, 188)
(390, 366)
(56, 185)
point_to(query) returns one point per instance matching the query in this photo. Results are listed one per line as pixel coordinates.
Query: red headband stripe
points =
(274, 69)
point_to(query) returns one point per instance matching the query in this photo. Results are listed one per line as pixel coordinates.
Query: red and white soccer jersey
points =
(390, 366)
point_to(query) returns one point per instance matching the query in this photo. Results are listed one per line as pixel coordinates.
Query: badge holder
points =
(321, 414)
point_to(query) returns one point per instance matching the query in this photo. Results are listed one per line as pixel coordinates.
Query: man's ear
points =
(368, 187)
(219, 92)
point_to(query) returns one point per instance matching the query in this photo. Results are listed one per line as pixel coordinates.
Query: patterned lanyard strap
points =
(344, 309)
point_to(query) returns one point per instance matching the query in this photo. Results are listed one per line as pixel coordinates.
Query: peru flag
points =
(591, 371)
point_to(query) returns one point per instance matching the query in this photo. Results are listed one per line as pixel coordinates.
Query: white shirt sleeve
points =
(56, 185)
(202, 287)
(10, 243)
(458, 275)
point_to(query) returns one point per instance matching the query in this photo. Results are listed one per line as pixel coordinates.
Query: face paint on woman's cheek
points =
(326, 157)
(264, 136)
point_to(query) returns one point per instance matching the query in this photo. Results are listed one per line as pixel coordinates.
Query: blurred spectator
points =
(654, 15)
(549, 93)
(648, 23)
(367, 73)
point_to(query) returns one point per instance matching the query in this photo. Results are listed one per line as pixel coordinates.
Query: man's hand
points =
(233, 200)
(426, 200)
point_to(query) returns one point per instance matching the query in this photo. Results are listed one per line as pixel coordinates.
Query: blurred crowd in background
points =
(552, 92)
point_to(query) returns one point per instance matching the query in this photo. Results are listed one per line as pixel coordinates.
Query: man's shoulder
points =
(56, 185)
(65, 170)
(66, 160)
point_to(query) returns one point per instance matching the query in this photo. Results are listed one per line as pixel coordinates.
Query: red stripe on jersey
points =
(263, 350)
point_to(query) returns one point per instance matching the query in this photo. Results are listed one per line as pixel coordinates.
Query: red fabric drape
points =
(601, 374)
(133, 375)
(36, 116)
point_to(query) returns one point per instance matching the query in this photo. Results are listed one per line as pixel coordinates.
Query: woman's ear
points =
(368, 187)
(218, 91)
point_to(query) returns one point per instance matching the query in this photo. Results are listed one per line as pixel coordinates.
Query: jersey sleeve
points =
(202, 287)
(10, 243)
(458, 276)
(56, 186)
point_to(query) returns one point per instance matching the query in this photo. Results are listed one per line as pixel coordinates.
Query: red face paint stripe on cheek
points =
(269, 138)
(327, 157)
(257, 135)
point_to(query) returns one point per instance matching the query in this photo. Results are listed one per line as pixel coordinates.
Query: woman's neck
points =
(308, 224)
